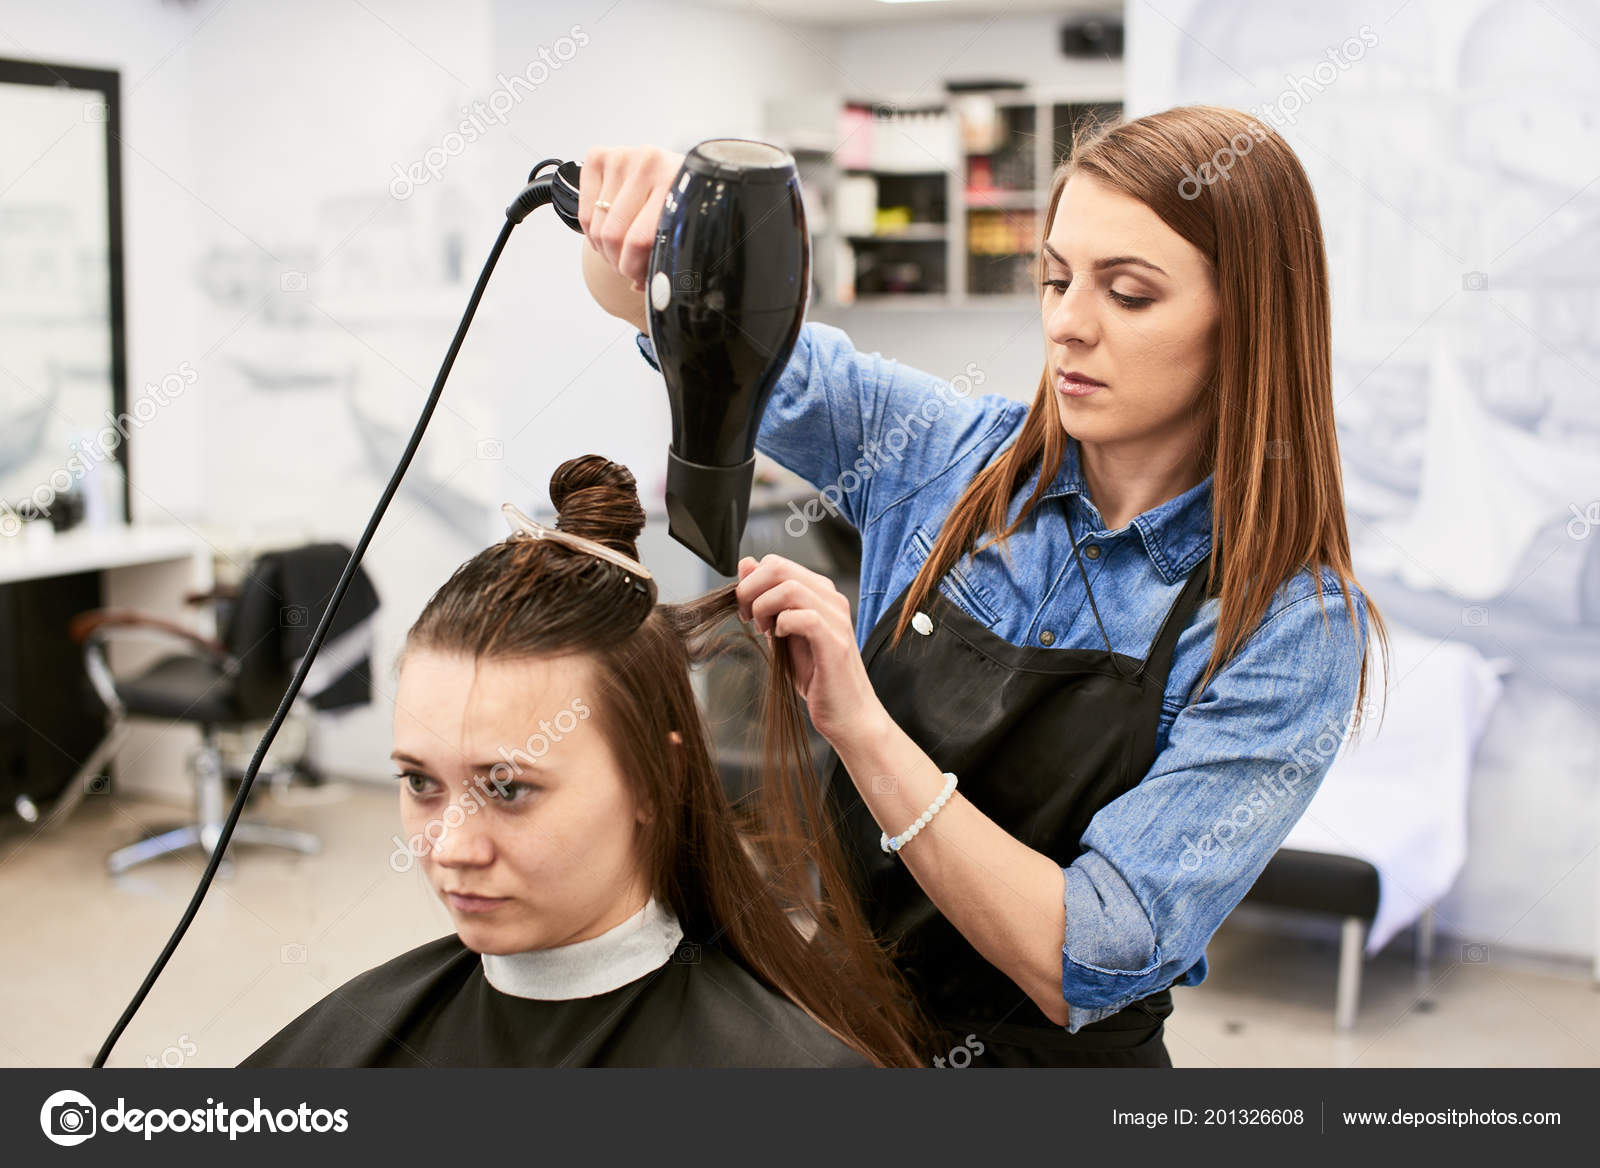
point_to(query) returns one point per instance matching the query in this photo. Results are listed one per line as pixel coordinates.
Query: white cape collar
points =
(643, 942)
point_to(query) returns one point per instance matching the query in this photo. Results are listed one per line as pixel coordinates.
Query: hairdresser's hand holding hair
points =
(788, 600)
(984, 879)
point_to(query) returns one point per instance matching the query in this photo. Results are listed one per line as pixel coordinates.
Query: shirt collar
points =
(1176, 533)
(583, 969)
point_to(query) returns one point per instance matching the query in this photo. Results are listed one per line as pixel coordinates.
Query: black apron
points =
(1040, 739)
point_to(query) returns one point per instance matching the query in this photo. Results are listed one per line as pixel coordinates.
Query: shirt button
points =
(1092, 551)
(1047, 638)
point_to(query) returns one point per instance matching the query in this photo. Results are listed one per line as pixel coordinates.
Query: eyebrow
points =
(411, 760)
(1108, 262)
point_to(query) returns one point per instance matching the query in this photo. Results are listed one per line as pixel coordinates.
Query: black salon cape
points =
(434, 1007)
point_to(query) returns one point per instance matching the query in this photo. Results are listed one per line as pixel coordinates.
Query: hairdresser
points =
(1107, 638)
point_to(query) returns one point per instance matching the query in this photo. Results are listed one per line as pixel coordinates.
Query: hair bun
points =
(598, 499)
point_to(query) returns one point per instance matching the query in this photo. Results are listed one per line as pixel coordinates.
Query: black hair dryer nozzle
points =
(707, 507)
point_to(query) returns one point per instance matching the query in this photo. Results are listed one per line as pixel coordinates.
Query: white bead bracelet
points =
(910, 833)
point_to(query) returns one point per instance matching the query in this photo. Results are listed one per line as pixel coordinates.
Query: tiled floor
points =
(286, 929)
(1269, 1002)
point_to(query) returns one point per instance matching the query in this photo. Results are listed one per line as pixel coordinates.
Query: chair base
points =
(86, 778)
(207, 831)
(194, 835)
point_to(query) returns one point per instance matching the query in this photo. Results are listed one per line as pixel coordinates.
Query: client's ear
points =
(645, 815)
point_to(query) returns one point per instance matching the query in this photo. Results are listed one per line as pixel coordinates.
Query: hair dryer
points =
(729, 281)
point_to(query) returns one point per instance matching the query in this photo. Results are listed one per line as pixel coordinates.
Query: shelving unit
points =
(964, 231)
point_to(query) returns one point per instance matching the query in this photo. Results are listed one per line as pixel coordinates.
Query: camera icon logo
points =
(292, 616)
(491, 449)
(67, 1118)
(94, 111)
(1475, 615)
(292, 954)
(1475, 282)
(686, 281)
(292, 282)
(687, 953)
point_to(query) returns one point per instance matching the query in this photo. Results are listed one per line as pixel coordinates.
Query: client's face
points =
(512, 800)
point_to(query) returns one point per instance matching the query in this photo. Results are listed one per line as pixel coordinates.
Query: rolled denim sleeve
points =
(1167, 861)
(864, 429)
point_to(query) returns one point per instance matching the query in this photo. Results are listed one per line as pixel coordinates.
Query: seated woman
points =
(611, 907)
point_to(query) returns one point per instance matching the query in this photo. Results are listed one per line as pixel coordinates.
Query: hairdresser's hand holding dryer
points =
(1088, 694)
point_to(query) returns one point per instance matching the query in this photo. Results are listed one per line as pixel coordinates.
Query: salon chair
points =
(232, 683)
(1347, 888)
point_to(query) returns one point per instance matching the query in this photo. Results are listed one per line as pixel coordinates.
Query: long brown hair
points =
(733, 876)
(1268, 434)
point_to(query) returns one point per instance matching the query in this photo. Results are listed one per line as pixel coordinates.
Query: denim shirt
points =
(891, 448)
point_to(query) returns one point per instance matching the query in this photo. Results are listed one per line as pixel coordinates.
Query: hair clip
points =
(527, 528)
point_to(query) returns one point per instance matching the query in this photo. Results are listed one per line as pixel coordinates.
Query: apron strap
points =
(1159, 659)
(1095, 608)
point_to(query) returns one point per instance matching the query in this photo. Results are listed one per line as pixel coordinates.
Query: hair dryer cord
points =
(561, 189)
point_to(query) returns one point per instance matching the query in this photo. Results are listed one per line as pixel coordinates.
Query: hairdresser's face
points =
(509, 791)
(1149, 335)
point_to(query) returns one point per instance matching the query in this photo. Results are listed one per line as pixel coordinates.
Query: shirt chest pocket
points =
(959, 583)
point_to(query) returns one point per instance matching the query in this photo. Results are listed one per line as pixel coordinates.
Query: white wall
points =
(158, 174)
(301, 111)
